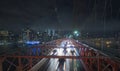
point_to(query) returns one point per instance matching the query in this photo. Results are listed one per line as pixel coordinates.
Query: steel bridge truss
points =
(92, 59)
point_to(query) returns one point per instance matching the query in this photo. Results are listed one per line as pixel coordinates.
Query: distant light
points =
(32, 42)
(108, 42)
(76, 33)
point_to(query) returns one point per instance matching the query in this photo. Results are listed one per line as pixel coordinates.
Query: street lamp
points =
(76, 33)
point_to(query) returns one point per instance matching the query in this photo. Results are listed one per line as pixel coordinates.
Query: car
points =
(54, 52)
(72, 51)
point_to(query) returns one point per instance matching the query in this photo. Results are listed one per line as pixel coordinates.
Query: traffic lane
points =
(39, 65)
(57, 64)
(44, 66)
(50, 64)
(54, 62)
(75, 64)
(69, 64)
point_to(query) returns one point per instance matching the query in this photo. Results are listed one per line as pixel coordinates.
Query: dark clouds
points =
(60, 14)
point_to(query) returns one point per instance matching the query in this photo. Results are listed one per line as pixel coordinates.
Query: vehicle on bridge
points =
(61, 64)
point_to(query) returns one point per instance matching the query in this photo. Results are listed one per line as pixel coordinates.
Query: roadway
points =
(54, 64)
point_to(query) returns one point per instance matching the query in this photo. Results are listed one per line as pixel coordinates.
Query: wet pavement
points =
(54, 64)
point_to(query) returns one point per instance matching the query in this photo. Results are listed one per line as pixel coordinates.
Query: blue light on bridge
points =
(32, 42)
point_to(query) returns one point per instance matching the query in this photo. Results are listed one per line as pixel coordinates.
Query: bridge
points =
(59, 55)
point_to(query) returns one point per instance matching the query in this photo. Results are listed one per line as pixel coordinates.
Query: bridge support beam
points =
(30, 62)
(19, 67)
(99, 64)
(115, 68)
(1, 68)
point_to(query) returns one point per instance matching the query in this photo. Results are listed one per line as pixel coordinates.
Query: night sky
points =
(85, 15)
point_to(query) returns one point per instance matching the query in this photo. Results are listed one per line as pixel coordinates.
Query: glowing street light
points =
(76, 33)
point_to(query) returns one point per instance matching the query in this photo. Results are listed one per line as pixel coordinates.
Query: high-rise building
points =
(26, 34)
(4, 35)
